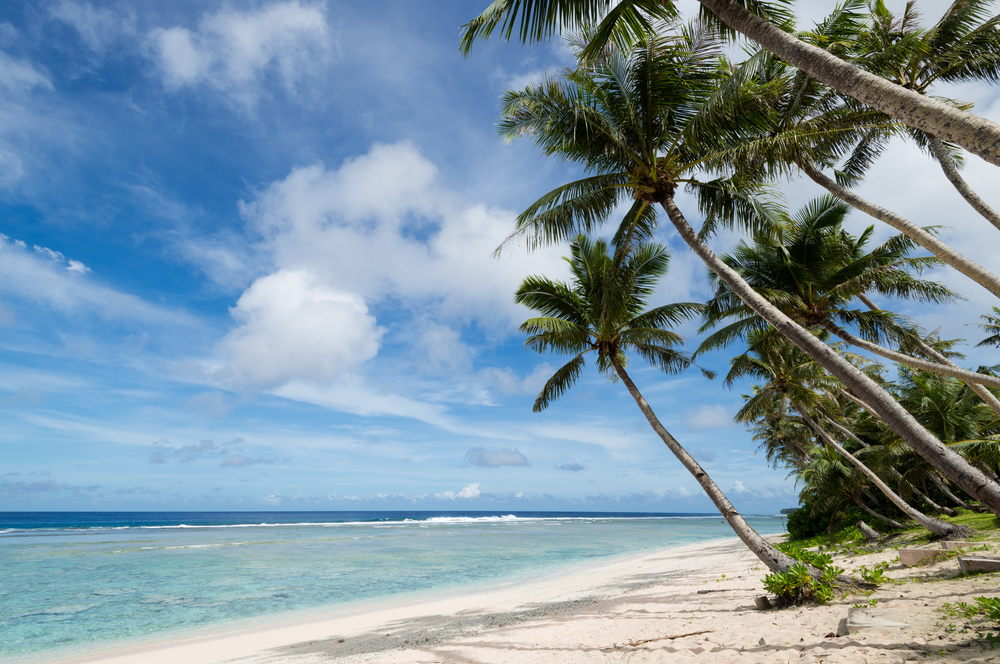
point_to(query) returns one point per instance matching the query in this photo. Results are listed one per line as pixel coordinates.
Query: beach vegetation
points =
(799, 586)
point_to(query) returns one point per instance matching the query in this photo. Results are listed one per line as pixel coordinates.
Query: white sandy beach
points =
(684, 604)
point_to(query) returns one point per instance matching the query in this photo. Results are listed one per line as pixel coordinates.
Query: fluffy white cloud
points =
(381, 226)
(294, 328)
(707, 417)
(470, 491)
(232, 51)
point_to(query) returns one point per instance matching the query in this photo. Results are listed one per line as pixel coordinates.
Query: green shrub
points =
(797, 585)
(875, 574)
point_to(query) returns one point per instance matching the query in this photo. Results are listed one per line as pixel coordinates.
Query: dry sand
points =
(686, 604)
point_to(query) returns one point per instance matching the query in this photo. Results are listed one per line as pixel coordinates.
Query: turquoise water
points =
(76, 586)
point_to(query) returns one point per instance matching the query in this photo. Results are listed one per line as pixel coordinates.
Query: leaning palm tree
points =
(602, 311)
(628, 21)
(644, 121)
(813, 270)
(963, 45)
(813, 128)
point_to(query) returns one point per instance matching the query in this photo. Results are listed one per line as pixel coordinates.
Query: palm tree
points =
(964, 45)
(797, 386)
(629, 20)
(603, 311)
(645, 120)
(991, 325)
(813, 270)
(812, 128)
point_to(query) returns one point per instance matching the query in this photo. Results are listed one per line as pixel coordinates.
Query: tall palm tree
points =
(813, 128)
(628, 20)
(603, 311)
(643, 121)
(813, 270)
(963, 45)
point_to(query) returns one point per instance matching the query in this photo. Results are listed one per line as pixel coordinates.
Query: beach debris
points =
(976, 564)
(762, 642)
(950, 545)
(633, 643)
(762, 603)
(914, 557)
(858, 619)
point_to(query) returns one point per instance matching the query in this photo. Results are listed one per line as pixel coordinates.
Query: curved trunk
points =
(975, 134)
(951, 172)
(914, 362)
(870, 533)
(980, 391)
(951, 465)
(775, 560)
(943, 486)
(934, 505)
(895, 473)
(936, 526)
(949, 256)
(892, 523)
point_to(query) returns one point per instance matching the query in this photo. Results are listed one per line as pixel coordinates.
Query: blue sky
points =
(245, 264)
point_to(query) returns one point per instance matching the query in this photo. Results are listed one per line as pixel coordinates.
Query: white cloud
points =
(293, 328)
(99, 28)
(381, 226)
(45, 276)
(21, 75)
(738, 487)
(233, 51)
(707, 417)
(378, 231)
(470, 491)
(484, 458)
(440, 350)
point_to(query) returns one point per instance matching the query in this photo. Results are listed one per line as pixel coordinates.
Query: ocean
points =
(77, 583)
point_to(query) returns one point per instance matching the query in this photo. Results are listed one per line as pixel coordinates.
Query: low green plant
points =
(875, 574)
(798, 585)
(990, 606)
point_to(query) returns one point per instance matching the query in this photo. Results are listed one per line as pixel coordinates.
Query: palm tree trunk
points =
(951, 465)
(934, 505)
(975, 134)
(870, 533)
(775, 560)
(914, 362)
(935, 526)
(949, 256)
(980, 391)
(951, 172)
(943, 485)
(892, 523)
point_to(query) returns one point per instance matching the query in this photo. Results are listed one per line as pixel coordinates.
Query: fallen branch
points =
(667, 638)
